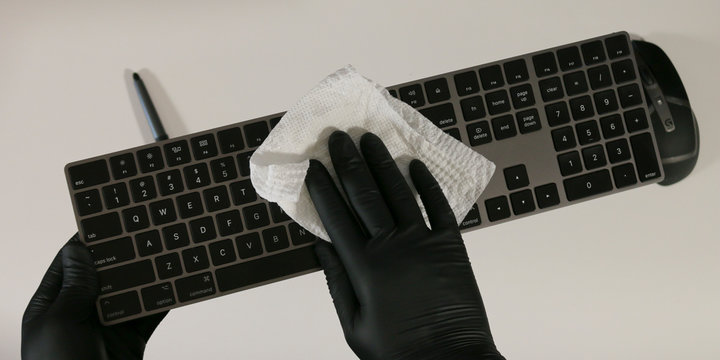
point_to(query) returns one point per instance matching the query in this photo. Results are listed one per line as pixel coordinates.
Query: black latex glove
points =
(61, 320)
(401, 290)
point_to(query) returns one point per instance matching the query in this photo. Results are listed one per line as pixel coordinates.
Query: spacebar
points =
(267, 268)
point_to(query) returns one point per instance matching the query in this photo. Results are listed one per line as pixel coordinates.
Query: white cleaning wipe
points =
(347, 101)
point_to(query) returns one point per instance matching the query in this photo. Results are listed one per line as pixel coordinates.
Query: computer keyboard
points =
(178, 221)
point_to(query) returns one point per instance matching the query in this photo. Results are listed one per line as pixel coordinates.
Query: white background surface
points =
(630, 276)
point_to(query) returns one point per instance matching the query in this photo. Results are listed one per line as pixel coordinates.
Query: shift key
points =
(126, 276)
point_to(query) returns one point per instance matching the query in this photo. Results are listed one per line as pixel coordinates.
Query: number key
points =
(170, 182)
(581, 107)
(587, 132)
(197, 175)
(557, 113)
(612, 126)
(223, 169)
(569, 163)
(142, 189)
(618, 151)
(116, 195)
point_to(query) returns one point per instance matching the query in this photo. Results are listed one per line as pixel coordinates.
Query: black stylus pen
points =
(149, 109)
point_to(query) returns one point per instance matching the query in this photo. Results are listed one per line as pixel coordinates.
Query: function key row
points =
(176, 153)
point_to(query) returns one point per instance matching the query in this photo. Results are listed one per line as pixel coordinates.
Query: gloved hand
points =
(61, 321)
(401, 290)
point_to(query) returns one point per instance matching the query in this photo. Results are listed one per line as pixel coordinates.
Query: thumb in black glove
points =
(401, 290)
(61, 321)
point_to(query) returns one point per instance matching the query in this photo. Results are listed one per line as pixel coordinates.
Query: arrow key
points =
(522, 202)
(547, 195)
(497, 208)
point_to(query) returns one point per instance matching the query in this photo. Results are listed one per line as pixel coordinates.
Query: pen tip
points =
(136, 76)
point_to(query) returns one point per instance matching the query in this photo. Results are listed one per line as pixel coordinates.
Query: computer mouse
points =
(673, 120)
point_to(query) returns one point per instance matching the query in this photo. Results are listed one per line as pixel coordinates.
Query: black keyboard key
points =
(624, 175)
(89, 174)
(522, 96)
(176, 236)
(612, 126)
(645, 158)
(229, 223)
(123, 166)
(479, 133)
(101, 226)
(618, 151)
(170, 182)
(563, 138)
(575, 83)
(158, 296)
(605, 101)
(116, 195)
(617, 46)
(594, 157)
(635, 120)
(168, 266)
(630, 95)
(275, 238)
(88, 202)
(569, 58)
(593, 52)
(497, 102)
(189, 205)
(522, 202)
(547, 195)
(497, 208)
(528, 121)
(473, 108)
(256, 133)
(223, 169)
(256, 216)
(466, 83)
(204, 146)
(222, 252)
(162, 212)
(135, 218)
(623, 71)
(472, 218)
(196, 175)
(441, 115)
(177, 153)
(516, 71)
(150, 159)
(590, 184)
(393, 93)
(242, 192)
(243, 160)
(274, 121)
(491, 77)
(544, 64)
(437, 90)
(195, 259)
(454, 132)
(581, 107)
(216, 198)
(587, 132)
(569, 163)
(112, 252)
(551, 89)
(412, 95)
(143, 189)
(230, 140)
(203, 229)
(516, 177)
(277, 213)
(267, 268)
(248, 245)
(299, 235)
(148, 243)
(125, 276)
(557, 113)
(195, 287)
(504, 127)
(120, 306)
(599, 77)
